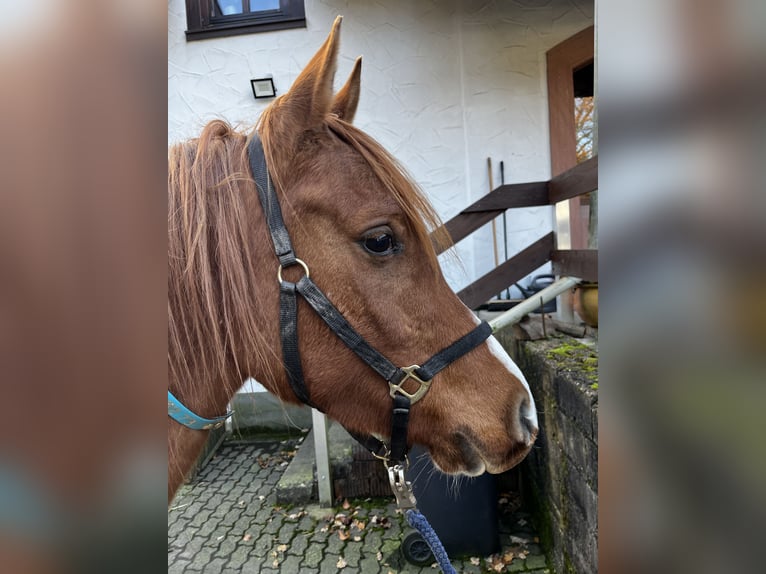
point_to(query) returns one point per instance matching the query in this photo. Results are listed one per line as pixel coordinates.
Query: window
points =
(217, 18)
(583, 110)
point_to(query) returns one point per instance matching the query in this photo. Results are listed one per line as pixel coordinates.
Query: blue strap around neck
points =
(181, 414)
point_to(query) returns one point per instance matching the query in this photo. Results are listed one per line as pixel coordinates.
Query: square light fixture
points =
(263, 88)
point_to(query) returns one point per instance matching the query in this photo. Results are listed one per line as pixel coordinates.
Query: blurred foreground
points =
(682, 112)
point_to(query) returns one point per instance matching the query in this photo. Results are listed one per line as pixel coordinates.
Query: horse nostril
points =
(529, 426)
(528, 418)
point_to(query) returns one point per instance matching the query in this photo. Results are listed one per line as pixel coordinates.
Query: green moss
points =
(571, 355)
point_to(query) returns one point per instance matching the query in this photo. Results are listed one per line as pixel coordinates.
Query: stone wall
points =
(560, 475)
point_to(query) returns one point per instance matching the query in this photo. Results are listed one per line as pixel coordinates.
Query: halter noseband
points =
(306, 288)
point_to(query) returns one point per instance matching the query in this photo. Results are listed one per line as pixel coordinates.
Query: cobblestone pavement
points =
(227, 521)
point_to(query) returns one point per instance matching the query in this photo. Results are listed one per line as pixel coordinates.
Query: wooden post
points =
(593, 214)
(322, 455)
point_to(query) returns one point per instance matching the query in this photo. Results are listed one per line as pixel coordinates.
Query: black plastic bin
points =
(463, 511)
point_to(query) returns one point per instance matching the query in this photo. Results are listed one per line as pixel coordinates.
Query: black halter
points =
(288, 314)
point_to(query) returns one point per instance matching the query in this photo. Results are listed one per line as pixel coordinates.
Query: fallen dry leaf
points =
(344, 534)
(341, 563)
(379, 556)
(247, 537)
(475, 561)
(346, 504)
(282, 548)
(357, 538)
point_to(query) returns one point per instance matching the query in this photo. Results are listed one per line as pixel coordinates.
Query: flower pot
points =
(586, 303)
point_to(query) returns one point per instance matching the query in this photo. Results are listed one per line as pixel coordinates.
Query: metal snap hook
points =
(401, 487)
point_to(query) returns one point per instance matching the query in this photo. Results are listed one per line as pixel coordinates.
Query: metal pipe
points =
(505, 226)
(322, 455)
(494, 221)
(516, 313)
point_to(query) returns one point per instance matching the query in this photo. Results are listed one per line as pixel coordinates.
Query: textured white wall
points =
(445, 84)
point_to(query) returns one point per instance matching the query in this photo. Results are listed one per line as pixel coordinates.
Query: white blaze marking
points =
(497, 349)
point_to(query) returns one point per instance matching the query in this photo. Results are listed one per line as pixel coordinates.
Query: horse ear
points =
(309, 99)
(346, 100)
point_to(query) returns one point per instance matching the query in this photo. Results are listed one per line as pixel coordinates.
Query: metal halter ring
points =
(297, 261)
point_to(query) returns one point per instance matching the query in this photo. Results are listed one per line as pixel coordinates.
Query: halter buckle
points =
(401, 487)
(410, 374)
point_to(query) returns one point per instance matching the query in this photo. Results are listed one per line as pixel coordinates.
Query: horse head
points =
(362, 227)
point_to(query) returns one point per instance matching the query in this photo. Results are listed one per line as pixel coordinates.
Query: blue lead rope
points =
(420, 523)
(181, 414)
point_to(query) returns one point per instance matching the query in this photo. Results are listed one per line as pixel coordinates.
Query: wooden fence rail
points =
(582, 263)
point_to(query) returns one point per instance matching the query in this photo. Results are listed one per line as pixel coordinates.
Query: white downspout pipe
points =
(516, 313)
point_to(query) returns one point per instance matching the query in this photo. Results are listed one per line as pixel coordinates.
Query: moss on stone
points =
(571, 355)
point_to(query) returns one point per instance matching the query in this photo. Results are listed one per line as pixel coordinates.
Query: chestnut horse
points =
(364, 231)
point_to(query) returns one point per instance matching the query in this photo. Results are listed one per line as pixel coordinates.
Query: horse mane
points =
(211, 258)
(211, 263)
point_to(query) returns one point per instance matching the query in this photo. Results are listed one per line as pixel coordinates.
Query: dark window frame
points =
(202, 24)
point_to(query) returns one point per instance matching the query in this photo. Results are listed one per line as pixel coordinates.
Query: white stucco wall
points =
(445, 84)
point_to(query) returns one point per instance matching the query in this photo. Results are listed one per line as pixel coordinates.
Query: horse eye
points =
(379, 244)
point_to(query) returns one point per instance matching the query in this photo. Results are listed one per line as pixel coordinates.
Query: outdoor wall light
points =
(263, 88)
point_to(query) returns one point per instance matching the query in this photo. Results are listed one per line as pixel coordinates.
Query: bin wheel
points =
(416, 551)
